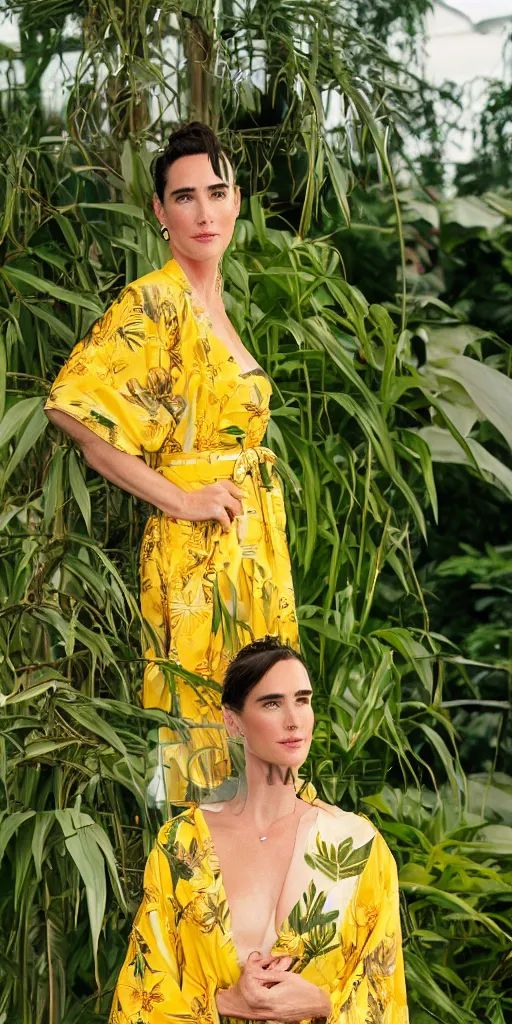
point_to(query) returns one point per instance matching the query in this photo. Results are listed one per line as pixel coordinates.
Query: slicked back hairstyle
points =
(190, 140)
(249, 666)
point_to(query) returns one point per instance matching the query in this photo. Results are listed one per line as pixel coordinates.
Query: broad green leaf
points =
(43, 824)
(340, 182)
(490, 390)
(418, 657)
(444, 448)
(420, 978)
(83, 847)
(438, 744)
(125, 208)
(57, 325)
(9, 826)
(34, 427)
(450, 901)
(446, 342)
(16, 417)
(470, 212)
(19, 277)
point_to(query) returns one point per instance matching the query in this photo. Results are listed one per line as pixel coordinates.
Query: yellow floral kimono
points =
(343, 933)
(153, 380)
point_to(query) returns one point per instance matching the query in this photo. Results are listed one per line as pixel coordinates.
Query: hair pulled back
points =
(249, 666)
(189, 140)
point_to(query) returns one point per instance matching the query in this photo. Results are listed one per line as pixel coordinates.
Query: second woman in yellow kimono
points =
(155, 381)
(269, 907)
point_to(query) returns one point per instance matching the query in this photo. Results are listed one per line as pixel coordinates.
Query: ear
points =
(232, 722)
(159, 210)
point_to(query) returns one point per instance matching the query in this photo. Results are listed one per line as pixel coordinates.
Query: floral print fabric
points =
(153, 380)
(344, 932)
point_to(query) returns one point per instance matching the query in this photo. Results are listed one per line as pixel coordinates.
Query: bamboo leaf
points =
(82, 845)
(16, 417)
(17, 278)
(35, 426)
(79, 488)
(10, 825)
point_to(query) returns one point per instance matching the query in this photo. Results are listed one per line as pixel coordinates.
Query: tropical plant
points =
(367, 396)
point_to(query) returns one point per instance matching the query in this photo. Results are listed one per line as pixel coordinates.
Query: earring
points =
(164, 232)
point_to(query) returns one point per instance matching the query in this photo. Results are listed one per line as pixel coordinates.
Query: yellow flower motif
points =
(366, 915)
(289, 943)
(207, 435)
(150, 998)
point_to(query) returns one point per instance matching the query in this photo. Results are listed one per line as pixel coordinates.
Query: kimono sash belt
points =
(231, 464)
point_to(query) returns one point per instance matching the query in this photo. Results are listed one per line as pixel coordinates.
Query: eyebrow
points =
(187, 190)
(276, 696)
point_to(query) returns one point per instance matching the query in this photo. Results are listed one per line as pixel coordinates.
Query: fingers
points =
(233, 506)
(277, 963)
(223, 518)
(229, 504)
(233, 488)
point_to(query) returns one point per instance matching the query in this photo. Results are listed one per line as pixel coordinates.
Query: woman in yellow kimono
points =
(273, 906)
(166, 402)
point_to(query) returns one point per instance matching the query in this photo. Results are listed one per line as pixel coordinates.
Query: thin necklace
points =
(283, 816)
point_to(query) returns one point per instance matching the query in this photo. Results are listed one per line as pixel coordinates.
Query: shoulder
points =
(341, 825)
(356, 837)
(158, 294)
(184, 825)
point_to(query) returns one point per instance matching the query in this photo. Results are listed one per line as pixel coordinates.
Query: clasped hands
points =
(267, 990)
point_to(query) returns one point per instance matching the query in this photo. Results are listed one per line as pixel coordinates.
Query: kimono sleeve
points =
(118, 381)
(372, 985)
(150, 988)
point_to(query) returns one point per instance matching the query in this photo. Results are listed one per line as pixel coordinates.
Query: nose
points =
(203, 215)
(291, 723)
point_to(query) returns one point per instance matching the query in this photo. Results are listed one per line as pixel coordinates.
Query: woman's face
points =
(277, 718)
(199, 209)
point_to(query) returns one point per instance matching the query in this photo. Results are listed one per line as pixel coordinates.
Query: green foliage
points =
(383, 408)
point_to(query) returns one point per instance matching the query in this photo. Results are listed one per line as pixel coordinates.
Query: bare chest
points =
(262, 880)
(254, 871)
(223, 330)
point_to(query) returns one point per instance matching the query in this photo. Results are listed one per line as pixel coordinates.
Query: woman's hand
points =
(220, 502)
(267, 991)
(292, 998)
(237, 1000)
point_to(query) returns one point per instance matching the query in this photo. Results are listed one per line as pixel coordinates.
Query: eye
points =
(221, 194)
(303, 700)
(180, 199)
(271, 704)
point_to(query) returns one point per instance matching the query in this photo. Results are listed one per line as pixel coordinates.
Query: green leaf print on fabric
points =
(182, 862)
(316, 927)
(343, 862)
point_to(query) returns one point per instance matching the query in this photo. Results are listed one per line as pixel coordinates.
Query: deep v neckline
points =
(180, 273)
(297, 859)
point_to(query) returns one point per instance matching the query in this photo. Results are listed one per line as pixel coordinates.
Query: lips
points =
(205, 237)
(291, 743)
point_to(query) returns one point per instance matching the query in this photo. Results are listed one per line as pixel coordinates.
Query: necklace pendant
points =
(262, 839)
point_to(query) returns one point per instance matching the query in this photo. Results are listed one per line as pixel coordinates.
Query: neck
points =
(202, 276)
(269, 792)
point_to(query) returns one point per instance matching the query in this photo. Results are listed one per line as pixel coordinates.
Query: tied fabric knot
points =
(250, 459)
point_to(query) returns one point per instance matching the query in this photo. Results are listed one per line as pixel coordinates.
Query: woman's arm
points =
(218, 501)
(150, 983)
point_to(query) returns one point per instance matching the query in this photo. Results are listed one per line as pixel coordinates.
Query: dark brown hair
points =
(189, 140)
(249, 666)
